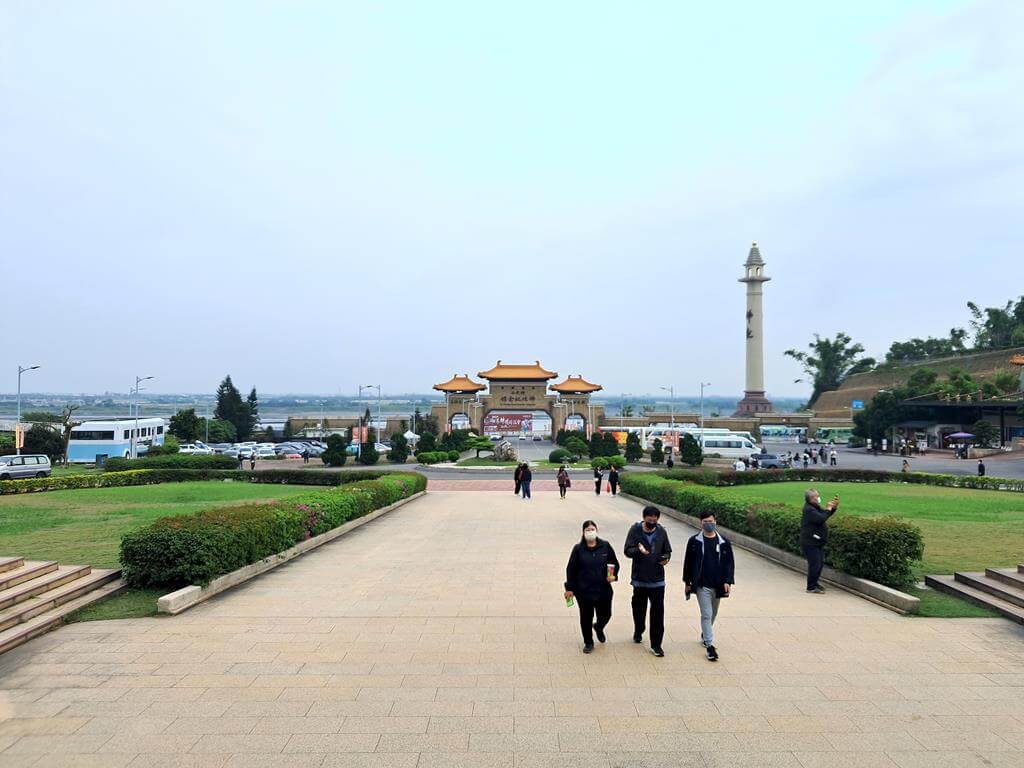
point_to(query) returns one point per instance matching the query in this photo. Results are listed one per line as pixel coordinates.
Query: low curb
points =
(186, 597)
(879, 594)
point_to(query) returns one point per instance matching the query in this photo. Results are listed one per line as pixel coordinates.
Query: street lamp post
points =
(135, 435)
(672, 404)
(17, 429)
(377, 387)
(702, 385)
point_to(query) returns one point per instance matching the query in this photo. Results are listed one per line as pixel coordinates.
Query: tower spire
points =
(754, 400)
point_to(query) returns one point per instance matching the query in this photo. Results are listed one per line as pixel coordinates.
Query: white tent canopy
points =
(410, 435)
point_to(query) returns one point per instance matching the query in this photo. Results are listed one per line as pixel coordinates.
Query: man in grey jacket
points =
(814, 536)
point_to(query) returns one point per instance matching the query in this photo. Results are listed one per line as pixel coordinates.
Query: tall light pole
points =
(702, 385)
(377, 387)
(135, 436)
(622, 406)
(359, 437)
(17, 429)
(672, 404)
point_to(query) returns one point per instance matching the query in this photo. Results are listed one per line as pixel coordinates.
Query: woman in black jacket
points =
(592, 568)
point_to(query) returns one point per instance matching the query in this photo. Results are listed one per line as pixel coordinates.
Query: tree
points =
(596, 447)
(66, 425)
(634, 451)
(576, 446)
(185, 425)
(998, 327)
(690, 451)
(44, 439)
(427, 442)
(479, 444)
(336, 453)
(657, 452)
(231, 408)
(289, 430)
(426, 423)
(7, 445)
(830, 361)
(627, 410)
(609, 445)
(920, 349)
(221, 431)
(368, 454)
(252, 411)
(268, 435)
(399, 452)
(40, 417)
(986, 433)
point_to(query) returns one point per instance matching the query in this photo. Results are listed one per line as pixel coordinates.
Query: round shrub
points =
(600, 462)
(559, 455)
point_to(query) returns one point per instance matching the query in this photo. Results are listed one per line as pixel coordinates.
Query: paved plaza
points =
(438, 636)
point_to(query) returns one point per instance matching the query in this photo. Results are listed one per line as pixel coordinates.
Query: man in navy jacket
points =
(647, 545)
(709, 573)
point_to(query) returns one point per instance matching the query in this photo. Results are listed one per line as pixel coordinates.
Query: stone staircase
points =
(35, 595)
(1001, 589)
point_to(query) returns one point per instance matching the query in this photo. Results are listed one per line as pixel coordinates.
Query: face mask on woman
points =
(590, 535)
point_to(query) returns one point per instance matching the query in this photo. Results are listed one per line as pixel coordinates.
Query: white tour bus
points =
(671, 435)
(114, 438)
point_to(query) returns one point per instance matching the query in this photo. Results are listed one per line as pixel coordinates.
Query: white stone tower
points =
(754, 401)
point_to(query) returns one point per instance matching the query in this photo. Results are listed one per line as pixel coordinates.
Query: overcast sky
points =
(316, 195)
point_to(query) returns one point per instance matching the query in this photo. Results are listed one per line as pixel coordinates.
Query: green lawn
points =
(964, 530)
(85, 526)
(75, 469)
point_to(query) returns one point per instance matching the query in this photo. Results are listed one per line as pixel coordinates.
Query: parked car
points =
(186, 448)
(31, 465)
(537, 438)
(202, 449)
(265, 453)
(291, 455)
(232, 452)
(771, 461)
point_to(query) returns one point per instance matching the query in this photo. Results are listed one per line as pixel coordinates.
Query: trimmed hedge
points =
(172, 461)
(823, 474)
(193, 549)
(881, 549)
(155, 476)
(606, 462)
(437, 457)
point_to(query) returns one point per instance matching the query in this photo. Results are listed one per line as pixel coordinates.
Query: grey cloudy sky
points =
(314, 195)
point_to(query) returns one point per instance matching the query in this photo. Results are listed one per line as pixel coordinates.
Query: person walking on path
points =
(613, 480)
(305, 456)
(525, 478)
(564, 483)
(906, 467)
(814, 536)
(592, 568)
(518, 474)
(709, 573)
(647, 545)
(833, 457)
(241, 460)
(981, 468)
(668, 462)
(598, 478)
(252, 461)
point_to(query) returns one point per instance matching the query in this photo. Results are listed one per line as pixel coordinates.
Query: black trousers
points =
(561, 491)
(588, 609)
(656, 597)
(815, 561)
(597, 487)
(615, 488)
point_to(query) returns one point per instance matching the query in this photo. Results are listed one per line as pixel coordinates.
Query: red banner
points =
(508, 422)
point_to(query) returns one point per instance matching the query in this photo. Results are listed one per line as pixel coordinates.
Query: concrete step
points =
(25, 572)
(29, 589)
(10, 563)
(37, 625)
(23, 611)
(1007, 576)
(951, 586)
(1020, 568)
(992, 586)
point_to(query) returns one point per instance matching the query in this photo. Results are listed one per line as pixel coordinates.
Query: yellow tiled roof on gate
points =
(459, 383)
(1017, 360)
(523, 372)
(575, 385)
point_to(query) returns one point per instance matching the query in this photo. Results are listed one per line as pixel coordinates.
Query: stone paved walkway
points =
(437, 636)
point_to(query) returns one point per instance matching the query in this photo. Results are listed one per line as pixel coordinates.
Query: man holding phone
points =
(647, 545)
(814, 536)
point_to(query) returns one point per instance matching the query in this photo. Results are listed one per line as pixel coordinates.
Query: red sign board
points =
(508, 422)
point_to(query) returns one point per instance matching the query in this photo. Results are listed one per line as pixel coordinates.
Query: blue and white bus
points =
(114, 438)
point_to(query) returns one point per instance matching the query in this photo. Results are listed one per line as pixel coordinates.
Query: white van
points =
(730, 446)
(31, 465)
